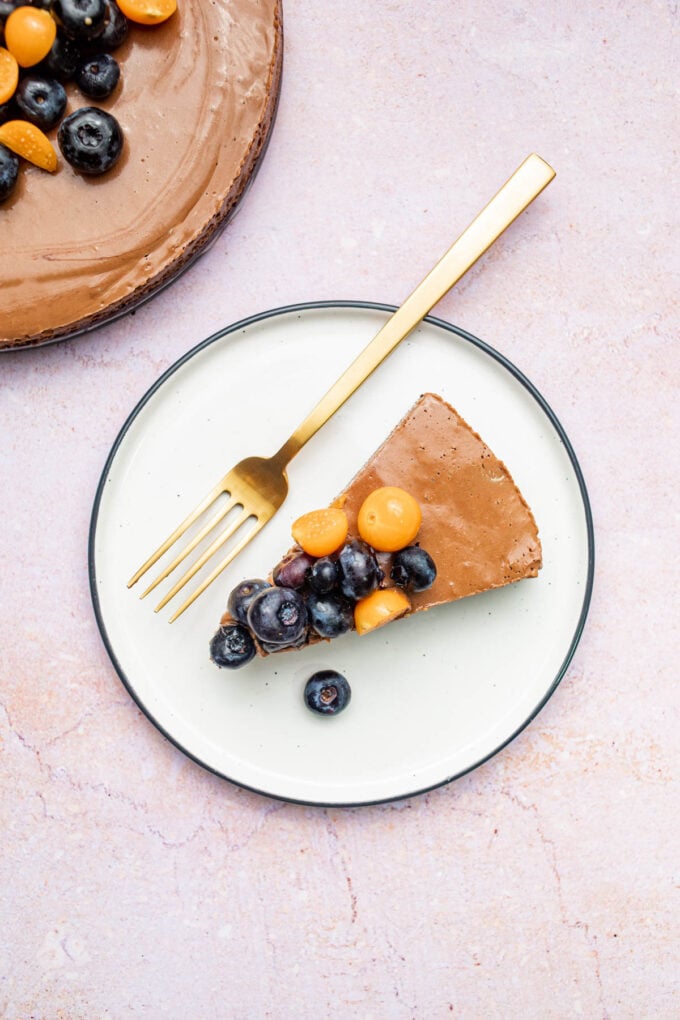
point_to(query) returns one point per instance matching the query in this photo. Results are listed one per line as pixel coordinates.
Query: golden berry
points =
(148, 12)
(389, 519)
(379, 608)
(29, 34)
(9, 75)
(29, 142)
(321, 532)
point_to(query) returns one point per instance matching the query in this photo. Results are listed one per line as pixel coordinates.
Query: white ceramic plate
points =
(432, 696)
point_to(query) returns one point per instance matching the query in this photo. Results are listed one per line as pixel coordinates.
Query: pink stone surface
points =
(541, 885)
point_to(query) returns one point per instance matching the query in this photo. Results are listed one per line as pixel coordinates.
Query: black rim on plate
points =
(360, 306)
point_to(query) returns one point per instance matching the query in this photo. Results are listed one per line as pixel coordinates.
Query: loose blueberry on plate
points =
(9, 171)
(413, 568)
(242, 595)
(323, 575)
(327, 692)
(358, 570)
(91, 140)
(232, 646)
(278, 616)
(98, 76)
(42, 101)
(81, 19)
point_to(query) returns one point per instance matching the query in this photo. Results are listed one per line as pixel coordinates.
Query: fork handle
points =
(527, 182)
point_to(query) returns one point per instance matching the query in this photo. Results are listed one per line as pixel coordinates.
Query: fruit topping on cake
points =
(177, 107)
(9, 171)
(432, 517)
(29, 142)
(61, 41)
(91, 140)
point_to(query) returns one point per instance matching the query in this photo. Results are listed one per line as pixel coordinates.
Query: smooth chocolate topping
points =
(476, 524)
(196, 101)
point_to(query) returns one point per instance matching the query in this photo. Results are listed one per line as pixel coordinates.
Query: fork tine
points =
(196, 540)
(178, 532)
(259, 524)
(218, 542)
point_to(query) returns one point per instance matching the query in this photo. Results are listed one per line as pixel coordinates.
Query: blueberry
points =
(242, 595)
(278, 616)
(9, 171)
(7, 6)
(275, 646)
(7, 111)
(116, 27)
(323, 576)
(327, 692)
(81, 19)
(329, 615)
(293, 569)
(98, 76)
(42, 101)
(358, 569)
(232, 646)
(90, 140)
(413, 568)
(63, 60)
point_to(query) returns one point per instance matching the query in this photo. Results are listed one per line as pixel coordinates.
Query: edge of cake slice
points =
(476, 525)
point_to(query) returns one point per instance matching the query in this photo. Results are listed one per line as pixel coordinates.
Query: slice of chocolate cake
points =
(471, 531)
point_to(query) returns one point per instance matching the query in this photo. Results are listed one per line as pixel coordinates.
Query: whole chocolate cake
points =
(195, 102)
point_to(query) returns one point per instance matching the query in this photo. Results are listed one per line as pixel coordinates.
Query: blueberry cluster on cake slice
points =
(432, 517)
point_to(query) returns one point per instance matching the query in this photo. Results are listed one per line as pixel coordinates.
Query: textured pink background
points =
(136, 884)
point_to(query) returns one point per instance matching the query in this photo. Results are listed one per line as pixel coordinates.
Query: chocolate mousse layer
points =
(196, 103)
(476, 524)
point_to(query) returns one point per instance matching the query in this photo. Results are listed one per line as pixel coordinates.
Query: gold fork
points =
(259, 485)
